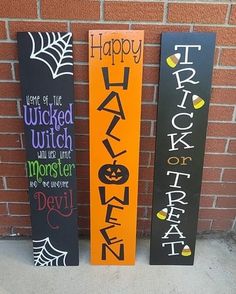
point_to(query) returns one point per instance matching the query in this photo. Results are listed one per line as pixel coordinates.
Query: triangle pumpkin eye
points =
(109, 169)
(118, 170)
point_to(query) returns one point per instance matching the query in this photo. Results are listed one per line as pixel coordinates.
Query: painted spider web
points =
(55, 50)
(45, 254)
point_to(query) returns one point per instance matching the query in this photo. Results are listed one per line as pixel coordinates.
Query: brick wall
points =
(218, 198)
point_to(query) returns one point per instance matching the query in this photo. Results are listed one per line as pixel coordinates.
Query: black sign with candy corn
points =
(185, 84)
(46, 72)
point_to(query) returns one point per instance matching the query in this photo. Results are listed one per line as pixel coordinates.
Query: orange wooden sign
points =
(115, 81)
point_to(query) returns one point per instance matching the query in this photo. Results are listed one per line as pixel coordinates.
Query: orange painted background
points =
(113, 222)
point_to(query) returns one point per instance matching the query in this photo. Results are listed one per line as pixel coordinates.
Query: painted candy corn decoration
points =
(198, 102)
(162, 214)
(186, 251)
(173, 60)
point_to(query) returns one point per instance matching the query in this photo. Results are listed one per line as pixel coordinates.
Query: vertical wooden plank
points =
(46, 73)
(185, 84)
(115, 80)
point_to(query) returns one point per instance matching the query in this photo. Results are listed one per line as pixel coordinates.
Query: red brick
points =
(142, 212)
(224, 77)
(8, 51)
(228, 57)
(83, 211)
(137, 11)
(203, 225)
(5, 71)
(150, 74)
(218, 188)
(146, 173)
(9, 141)
(80, 52)
(83, 185)
(3, 208)
(206, 201)
(36, 26)
(82, 142)
(82, 171)
(216, 55)
(147, 143)
(81, 92)
(150, 187)
(215, 145)
(17, 183)
(18, 9)
(81, 30)
(145, 128)
(211, 174)
(144, 158)
(145, 199)
(82, 109)
(9, 90)
(215, 160)
(19, 209)
(142, 187)
(224, 96)
(152, 33)
(14, 220)
(5, 231)
(81, 126)
(149, 111)
(226, 202)
(14, 125)
(151, 55)
(144, 224)
(221, 129)
(221, 113)
(229, 175)
(13, 155)
(232, 19)
(212, 213)
(82, 157)
(222, 224)
(83, 198)
(2, 30)
(12, 169)
(81, 73)
(232, 146)
(71, 9)
(22, 231)
(8, 108)
(224, 35)
(148, 93)
(84, 222)
(13, 196)
(1, 183)
(197, 13)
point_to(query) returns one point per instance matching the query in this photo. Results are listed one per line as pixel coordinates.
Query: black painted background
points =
(36, 79)
(169, 98)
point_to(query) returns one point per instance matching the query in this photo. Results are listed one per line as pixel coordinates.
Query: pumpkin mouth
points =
(114, 178)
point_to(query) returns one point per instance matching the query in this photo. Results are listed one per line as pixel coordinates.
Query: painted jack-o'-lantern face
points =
(113, 174)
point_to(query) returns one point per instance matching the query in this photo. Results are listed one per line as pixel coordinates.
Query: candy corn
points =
(198, 102)
(186, 251)
(162, 214)
(173, 60)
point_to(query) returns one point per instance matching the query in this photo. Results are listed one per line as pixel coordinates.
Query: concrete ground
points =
(214, 272)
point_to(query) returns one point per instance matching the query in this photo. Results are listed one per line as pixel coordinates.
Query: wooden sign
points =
(46, 73)
(115, 80)
(185, 84)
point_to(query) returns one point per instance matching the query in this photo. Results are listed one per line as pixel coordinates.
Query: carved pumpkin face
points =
(113, 174)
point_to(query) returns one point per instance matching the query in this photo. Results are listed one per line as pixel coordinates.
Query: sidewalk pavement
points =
(214, 272)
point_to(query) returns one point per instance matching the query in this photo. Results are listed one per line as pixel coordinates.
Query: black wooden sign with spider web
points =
(46, 74)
